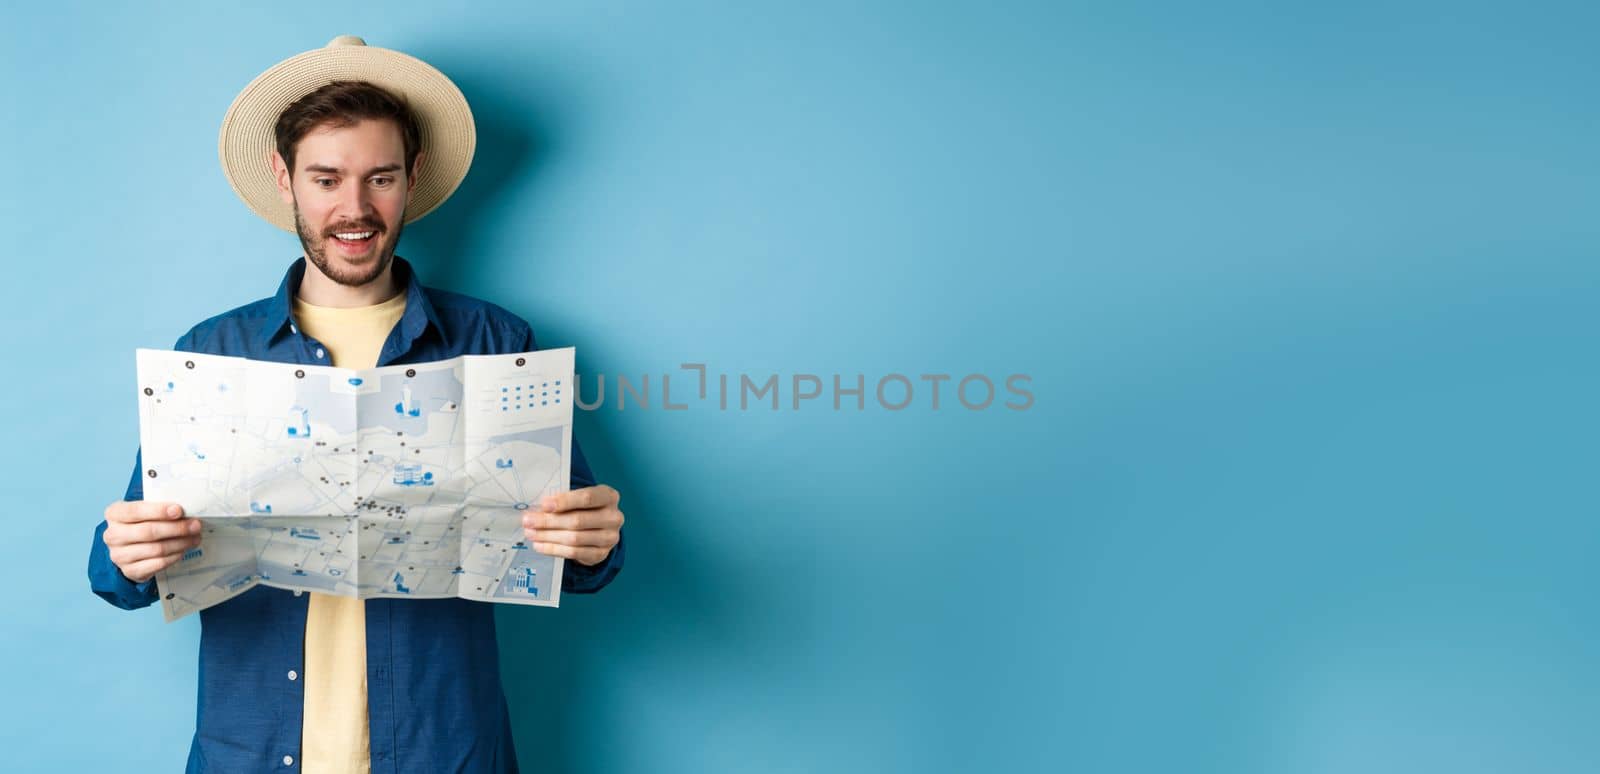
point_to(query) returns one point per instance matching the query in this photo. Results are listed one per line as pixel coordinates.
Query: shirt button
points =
(298, 593)
(293, 675)
(319, 353)
(288, 760)
(293, 329)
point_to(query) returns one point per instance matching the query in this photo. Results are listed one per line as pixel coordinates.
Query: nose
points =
(355, 202)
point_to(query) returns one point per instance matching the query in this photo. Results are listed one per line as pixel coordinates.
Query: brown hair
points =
(341, 104)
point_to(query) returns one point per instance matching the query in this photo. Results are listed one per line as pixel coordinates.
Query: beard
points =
(317, 248)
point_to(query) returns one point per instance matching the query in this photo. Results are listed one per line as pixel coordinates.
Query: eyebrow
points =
(338, 171)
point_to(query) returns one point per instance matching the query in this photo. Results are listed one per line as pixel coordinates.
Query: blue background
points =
(1307, 295)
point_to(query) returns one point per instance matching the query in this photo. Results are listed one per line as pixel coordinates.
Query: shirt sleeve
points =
(105, 578)
(578, 578)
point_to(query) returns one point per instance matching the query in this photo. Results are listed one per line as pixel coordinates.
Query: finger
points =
(150, 531)
(154, 531)
(578, 553)
(141, 551)
(580, 499)
(602, 538)
(597, 518)
(143, 570)
(143, 511)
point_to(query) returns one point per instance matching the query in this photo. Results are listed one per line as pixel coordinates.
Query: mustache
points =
(358, 226)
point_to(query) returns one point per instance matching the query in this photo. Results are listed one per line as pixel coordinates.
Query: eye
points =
(319, 182)
(382, 181)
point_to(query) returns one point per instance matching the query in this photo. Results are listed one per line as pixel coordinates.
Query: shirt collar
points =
(418, 316)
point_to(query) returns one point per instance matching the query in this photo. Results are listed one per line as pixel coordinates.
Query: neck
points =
(318, 290)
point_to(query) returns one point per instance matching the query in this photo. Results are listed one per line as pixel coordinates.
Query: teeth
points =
(354, 236)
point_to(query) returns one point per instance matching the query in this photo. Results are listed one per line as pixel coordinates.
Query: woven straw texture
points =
(245, 144)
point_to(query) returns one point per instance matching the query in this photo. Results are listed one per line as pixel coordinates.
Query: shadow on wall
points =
(505, 152)
(663, 611)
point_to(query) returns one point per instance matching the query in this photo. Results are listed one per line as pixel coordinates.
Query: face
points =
(349, 182)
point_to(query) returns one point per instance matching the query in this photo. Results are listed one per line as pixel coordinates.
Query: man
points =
(312, 681)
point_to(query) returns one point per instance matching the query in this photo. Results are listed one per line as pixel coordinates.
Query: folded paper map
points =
(404, 481)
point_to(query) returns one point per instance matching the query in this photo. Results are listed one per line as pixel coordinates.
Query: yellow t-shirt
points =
(334, 737)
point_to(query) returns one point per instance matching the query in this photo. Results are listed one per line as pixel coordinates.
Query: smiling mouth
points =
(354, 240)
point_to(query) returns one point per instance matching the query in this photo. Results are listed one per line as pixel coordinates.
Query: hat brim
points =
(246, 142)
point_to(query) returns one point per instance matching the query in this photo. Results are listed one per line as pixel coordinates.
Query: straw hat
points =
(247, 142)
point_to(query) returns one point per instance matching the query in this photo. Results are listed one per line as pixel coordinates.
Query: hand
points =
(146, 538)
(583, 524)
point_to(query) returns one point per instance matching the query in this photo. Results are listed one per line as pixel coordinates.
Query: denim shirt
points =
(433, 675)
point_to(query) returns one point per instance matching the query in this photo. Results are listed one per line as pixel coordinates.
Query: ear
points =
(416, 172)
(280, 173)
